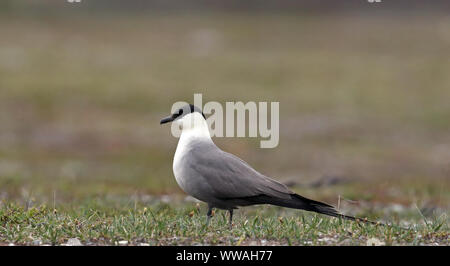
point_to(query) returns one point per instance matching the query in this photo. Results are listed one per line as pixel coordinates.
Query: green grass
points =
(175, 224)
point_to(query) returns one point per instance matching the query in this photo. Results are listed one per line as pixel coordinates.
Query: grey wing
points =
(231, 178)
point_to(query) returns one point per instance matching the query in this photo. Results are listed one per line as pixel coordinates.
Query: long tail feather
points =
(323, 208)
(298, 202)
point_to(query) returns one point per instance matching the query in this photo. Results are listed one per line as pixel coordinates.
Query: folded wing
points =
(230, 177)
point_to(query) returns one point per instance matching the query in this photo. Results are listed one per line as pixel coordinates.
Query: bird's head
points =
(189, 116)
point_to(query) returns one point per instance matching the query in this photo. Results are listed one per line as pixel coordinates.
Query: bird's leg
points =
(209, 214)
(231, 218)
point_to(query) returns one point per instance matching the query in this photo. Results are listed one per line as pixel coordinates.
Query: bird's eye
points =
(180, 111)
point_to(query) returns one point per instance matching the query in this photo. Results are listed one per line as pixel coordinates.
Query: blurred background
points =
(364, 92)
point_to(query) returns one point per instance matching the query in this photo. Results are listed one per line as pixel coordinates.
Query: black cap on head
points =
(187, 109)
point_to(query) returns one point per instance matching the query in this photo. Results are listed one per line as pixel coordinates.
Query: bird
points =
(223, 180)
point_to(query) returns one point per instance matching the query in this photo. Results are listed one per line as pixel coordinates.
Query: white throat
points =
(194, 128)
(193, 125)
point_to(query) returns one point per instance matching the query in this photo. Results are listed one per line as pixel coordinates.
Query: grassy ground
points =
(363, 102)
(175, 224)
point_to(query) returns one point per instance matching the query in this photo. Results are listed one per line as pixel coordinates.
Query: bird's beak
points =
(167, 120)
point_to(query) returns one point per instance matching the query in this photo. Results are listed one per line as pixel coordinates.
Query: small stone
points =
(123, 242)
(326, 239)
(346, 242)
(36, 242)
(73, 242)
(144, 244)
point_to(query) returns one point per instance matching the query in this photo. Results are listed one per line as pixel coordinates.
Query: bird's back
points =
(220, 178)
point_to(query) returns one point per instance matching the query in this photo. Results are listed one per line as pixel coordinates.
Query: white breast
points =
(182, 150)
(195, 130)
